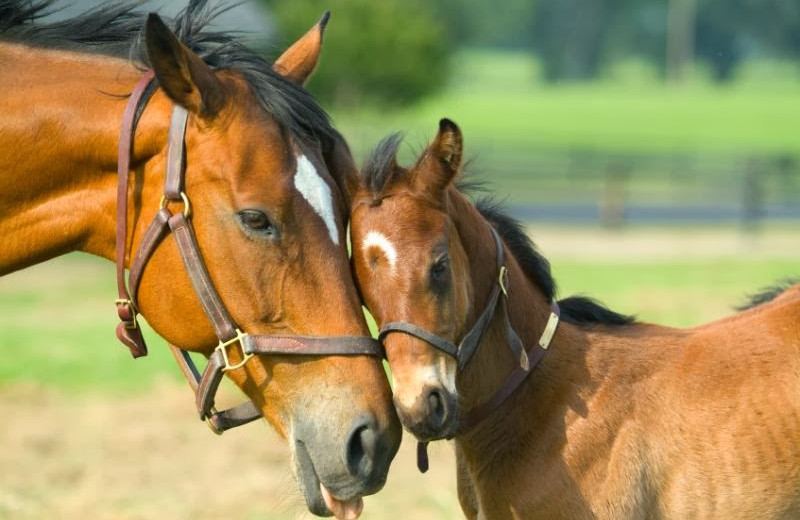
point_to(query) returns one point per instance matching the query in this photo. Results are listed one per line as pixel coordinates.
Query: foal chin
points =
(424, 387)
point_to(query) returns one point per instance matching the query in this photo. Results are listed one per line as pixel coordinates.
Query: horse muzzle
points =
(334, 471)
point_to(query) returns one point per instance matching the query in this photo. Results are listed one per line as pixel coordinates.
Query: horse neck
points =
(59, 130)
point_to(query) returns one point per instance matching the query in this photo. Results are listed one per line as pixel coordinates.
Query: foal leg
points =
(466, 489)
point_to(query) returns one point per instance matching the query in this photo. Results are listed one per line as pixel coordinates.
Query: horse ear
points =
(441, 162)
(184, 76)
(298, 61)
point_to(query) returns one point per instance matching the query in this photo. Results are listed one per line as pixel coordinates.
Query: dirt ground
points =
(148, 457)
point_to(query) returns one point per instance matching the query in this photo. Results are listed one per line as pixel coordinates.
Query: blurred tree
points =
(484, 23)
(730, 30)
(681, 22)
(576, 38)
(572, 36)
(382, 52)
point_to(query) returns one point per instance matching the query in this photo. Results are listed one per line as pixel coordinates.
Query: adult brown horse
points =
(256, 212)
(618, 420)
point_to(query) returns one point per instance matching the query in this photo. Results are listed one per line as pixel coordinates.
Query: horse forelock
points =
(379, 171)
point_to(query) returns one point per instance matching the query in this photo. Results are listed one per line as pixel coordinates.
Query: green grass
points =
(501, 108)
(57, 323)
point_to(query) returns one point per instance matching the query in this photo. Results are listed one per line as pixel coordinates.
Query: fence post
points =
(612, 204)
(752, 195)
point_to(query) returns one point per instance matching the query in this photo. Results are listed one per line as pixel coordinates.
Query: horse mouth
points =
(319, 499)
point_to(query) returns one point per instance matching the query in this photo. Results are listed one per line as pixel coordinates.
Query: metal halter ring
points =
(187, 207)
(210, 423)
(503, 280)
(239, 338)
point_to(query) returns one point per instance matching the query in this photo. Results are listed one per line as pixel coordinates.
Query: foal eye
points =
(256, 220)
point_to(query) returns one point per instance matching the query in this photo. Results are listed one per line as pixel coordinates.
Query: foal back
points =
(647, 422)
(727, 438)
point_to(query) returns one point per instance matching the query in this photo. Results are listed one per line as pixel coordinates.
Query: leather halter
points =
(463, 353)
(228, 333)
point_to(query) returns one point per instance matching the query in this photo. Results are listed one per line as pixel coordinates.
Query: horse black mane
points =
(378, 174)
(768, 294)
(116, 29)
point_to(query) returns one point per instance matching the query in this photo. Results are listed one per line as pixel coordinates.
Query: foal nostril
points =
(361, 447)
(437, 408)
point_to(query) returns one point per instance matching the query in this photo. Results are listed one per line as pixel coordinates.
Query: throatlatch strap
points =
(535, 354)
(128, 330)
(155, 233)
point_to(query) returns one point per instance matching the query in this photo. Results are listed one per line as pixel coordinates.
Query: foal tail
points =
(767, 294)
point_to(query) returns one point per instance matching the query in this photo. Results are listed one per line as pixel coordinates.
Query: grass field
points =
(497, 101)
(89, 433)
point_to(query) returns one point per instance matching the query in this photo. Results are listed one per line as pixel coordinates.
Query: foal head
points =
(411, 266)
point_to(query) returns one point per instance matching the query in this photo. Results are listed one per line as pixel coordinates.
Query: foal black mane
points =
(578, 310)
(768, 294)
(116, 29)
(378, 174)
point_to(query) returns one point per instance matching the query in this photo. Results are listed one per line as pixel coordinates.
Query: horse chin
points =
(319, 499)
(308, 481)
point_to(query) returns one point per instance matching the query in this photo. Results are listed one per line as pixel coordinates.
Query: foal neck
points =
(60, 125)
(527, 307)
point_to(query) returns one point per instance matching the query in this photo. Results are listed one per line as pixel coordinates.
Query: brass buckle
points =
(503, 279)
(236, 339)
(133, 323)
(187, 207)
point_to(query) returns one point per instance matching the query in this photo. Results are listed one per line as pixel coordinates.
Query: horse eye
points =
(440, 268)
(255, 220)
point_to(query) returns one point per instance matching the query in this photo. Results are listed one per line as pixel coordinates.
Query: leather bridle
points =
(226, 330)
(463, 353)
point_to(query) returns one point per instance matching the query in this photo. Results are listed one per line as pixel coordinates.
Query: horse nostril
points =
(438, 411)
(360, 448)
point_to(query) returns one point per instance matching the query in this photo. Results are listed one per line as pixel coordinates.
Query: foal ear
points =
(184, 76)
(441, 162)
(298, 61)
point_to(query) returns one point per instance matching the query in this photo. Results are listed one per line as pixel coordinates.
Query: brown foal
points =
(611, 419)
(263, 175)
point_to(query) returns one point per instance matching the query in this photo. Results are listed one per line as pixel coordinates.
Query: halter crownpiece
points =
(228, 333)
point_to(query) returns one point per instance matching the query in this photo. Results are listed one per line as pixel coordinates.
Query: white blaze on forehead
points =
(317, 192)
(379, 240)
